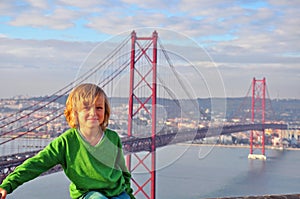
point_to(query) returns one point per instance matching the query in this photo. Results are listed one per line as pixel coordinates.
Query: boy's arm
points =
(33, 167)
(126, 173)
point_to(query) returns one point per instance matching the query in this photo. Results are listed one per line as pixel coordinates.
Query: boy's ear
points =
(75, 117)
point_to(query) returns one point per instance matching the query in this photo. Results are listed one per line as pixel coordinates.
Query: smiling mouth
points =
(93, 119)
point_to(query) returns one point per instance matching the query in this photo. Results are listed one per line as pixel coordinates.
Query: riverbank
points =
(240, 146)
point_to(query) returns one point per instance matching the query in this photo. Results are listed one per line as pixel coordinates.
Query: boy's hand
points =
(3, 193)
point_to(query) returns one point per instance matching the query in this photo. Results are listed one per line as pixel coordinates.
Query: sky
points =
(43, 43)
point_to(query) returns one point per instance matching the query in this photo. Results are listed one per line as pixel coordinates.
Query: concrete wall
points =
(288, 196)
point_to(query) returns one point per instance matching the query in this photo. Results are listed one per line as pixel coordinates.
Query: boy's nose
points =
(93, 111)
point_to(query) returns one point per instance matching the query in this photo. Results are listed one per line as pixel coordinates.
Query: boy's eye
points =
(99, 107)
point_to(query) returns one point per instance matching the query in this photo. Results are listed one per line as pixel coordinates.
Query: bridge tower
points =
(258, 105)
(143, 77)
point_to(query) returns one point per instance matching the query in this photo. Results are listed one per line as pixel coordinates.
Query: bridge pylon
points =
(258, 105)
(142, 103)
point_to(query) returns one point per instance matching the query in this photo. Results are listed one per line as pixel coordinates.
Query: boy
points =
(90, 154)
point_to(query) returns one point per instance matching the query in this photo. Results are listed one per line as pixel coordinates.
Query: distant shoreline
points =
(240, 146)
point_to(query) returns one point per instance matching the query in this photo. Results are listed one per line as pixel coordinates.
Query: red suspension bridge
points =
(158, 101)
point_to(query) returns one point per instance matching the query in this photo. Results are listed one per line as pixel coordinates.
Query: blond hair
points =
(86, 93)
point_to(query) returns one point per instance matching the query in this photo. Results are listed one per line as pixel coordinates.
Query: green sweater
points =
(101, 167)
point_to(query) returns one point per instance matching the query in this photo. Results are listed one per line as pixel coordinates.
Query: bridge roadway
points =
(138, 144)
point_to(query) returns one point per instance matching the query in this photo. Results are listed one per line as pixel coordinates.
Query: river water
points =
(194, 172)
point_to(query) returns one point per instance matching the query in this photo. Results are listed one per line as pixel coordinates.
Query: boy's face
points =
(92, 115)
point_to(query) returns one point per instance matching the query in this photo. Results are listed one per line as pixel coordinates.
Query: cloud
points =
(59, 19)
(3, 36)
(38, 4)
(261, 37)
(281, 79)
(87, 4)
(30, 66)
(43, 53)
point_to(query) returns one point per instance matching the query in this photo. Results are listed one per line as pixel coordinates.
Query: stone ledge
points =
(287, 196)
